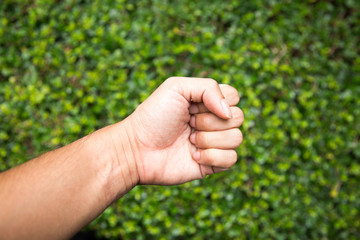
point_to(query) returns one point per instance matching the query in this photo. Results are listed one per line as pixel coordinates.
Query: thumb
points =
(203, 90)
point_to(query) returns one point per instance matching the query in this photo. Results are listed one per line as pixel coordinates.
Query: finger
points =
(210, 122)
(216, 158)
(197, 108)
(208, 170)
(203, 90)
(227, 139)
(231, 95)
(219, 169)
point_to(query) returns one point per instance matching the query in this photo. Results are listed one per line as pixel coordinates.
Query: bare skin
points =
(182, 132)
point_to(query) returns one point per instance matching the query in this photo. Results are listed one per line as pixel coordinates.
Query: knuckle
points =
(172, 80)
(238, 116)
(234, 96)
(212, 82)
(238, 137)
(232, 159)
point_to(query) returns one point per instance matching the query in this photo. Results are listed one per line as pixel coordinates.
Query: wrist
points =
(117, 157)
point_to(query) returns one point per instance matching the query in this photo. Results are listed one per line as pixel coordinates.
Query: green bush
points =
(70, 67)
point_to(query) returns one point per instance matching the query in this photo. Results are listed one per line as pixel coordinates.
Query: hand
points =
(185, 131)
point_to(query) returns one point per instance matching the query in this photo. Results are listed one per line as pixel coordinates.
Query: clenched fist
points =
(187, 129)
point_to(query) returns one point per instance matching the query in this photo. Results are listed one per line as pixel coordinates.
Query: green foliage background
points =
(70, 67)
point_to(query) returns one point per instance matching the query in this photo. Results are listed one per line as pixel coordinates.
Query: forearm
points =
(182, 132)
(56, 194)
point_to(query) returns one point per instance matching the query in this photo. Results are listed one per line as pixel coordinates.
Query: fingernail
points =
(193, 138)
(226, 107)
(192, 121)
(196, 156)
